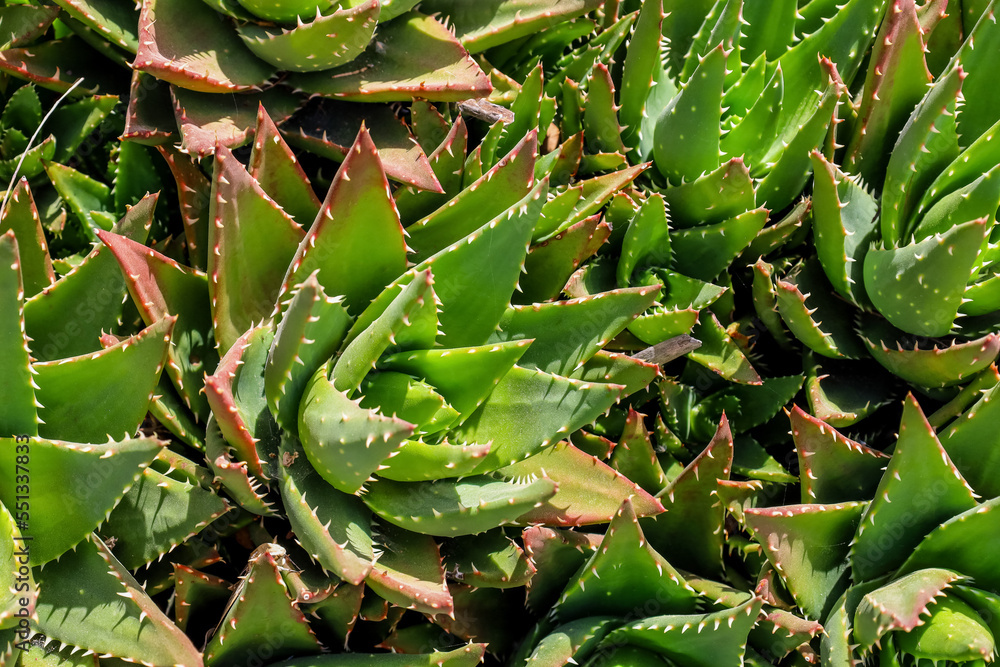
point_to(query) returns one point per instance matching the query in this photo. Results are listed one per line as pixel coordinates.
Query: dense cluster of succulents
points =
(627, 332)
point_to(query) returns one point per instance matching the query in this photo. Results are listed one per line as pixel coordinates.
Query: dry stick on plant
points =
(668, 350)
(31, 142)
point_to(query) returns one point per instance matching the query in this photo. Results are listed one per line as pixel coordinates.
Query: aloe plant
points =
(512, 390)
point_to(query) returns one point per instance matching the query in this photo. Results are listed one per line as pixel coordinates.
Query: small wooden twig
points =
(485, 111)
(668, 350)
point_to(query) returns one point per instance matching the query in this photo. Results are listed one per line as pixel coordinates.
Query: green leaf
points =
(681, 639)
(566, 334)
(688, 130)
(356, 242)
(624, 573)
(703, 252)
(246, 624)
(410, 573)
(334, 430)
(589, 491)
(967, 442)
(415, 56)
(919, 287)
(156, 515)
(920, 477)
(833, 468)
(690, 532)
(455, 507)
(310, 332)
(333, 527)
(530, 410)
(89, 600)
(123, 376)
(808, 546)
(18, 413)
(900, 604)
(191, 46)
(470, 310)
(277, 170)
(251, 241)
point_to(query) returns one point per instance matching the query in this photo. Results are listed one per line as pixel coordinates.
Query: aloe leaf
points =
(196, 590)
(513, 419)
(690, 532)
(83, 194)
(489, 560)
(527, 110)
(20, 594)
(635, 458)
(334, 528)
(844, 38)
(924, 362)
(334, 429)
(590, 323)
(465, 385)
(325, 42)
(88, 599)
(448, 163)
(942, 546)
(194, 198)
(640, 69)
(123, 376)
(23, 23)
(588, 490)
(243, 629)
(114, 22)
(808, 546)
(965, 441)
(455, 507)
(978, 199)
(469, 312)
(703, 252)
(18, 414)
(572, 642)
(403, 396)
(277, 170)
(647, 240)
(550, 264)
(817, 319)
(233, 475)
(189, 45)
(977, 159)
(416, 56)
(45, 65)
(626, 564)
(160, 287)
(156, 515)
(72, 124)
(417, 461)
(919, 287)
(409, 322)
(251, 241)
(310, 332)
(834, 468)
(682, 640)
(496, 22)
(765, 302)
(206, 120)
(900, 604)
(936, 639)
(720, 354)
(502, 187)
(979, 108)
(410, 572)
(920, 475)
(149, 117)
(749, 138)
(844, 220)
(687, 133)
(896, 81)
(926, 144)
(236, 419)
(557, 556)
(467, 656)
(680, 26)
(721, 26)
